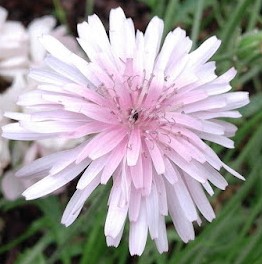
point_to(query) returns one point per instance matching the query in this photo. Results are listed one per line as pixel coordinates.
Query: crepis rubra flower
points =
(144, 114)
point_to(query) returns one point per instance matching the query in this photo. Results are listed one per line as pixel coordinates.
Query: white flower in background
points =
(12, 186)
(13, 47)
(143, 112)
(20, 49)
(42, 26)
(8, 101)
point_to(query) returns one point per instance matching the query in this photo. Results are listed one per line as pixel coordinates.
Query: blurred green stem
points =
(89, 7)
(60, 12)
(251, 73)
(169, 16)
(254, 15)
(197, 22)
(234, 22)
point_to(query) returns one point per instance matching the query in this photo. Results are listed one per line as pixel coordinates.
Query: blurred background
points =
(30, 231)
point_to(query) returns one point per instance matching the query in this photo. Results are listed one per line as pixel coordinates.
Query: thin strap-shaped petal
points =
(77, 201)
(116, 215)
(91, 172)
(153, 36)
(205, 51)
(53, 182)
(114, 159)
(138, 232)
(156, 156)
(152, 210)
(161, 240)
(133, 148)
(58, 50)
(183, 226)
(200, 198)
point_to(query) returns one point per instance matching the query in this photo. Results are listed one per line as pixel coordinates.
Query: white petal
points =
(77, 201)
(161, 240)
(233, 172)
(113, 161)
(116, 215)
(205, 51)
(185, 200)
(162, 195)
(200, 198)
(59, 51)
(116, 31)
(153, 36)
(53, 182)
(138, 232)
(66, 70)
(110, 241)
(91, 172)
(183, 226)
(134, 206)
(152, 210)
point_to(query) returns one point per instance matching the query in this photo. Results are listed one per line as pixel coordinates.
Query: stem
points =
(197, 22)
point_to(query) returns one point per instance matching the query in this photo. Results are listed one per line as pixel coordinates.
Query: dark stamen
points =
(135, 115)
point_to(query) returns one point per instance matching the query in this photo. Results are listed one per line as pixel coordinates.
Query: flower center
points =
(133, 116)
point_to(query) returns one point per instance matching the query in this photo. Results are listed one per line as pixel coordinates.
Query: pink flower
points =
(143, 114)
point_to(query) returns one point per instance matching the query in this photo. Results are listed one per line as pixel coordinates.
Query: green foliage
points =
(235, 236)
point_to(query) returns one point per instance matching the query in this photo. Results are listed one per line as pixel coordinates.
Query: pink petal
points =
(136, 173)
(101, 144)
(113, 161)
(134, 145)
(156, 156)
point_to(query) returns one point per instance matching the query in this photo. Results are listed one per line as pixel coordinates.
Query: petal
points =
(134, 145)
(153, 37)
(138, 232)
(116, 31)
(137, 174)
(110, 241)
(185, 200)
(66, 70)
(152, 210)
(59, 51)
(156, 156)
(205, 51)
(114, 159)
(102, 144)
(91, 172)
(47, 162)
(200, 198)
(53, 182)
(183, 226)
(171, 172)
(161, 240)
(77, 201)
(116, 214)
(134, 205)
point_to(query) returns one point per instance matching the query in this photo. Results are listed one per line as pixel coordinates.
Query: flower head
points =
(144, 114)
